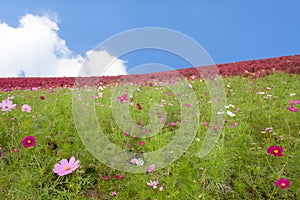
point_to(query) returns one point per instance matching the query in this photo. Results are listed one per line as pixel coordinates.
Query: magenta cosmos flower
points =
(7, 105)
(123, 98)
(28, 141)
(283, 183)
(66, 167)
(142, 143)
(292, 105)
(187, 105)
(26, 108)
(275, 150)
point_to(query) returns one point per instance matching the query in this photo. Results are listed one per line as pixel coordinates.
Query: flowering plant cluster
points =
(28, 141)
(277, 151)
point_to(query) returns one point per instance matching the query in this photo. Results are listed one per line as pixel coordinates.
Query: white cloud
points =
(36, 48)
(100, 63)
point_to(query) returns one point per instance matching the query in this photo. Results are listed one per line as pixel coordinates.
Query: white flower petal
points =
(230, 113)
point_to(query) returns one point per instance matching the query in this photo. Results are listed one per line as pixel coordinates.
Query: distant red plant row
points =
(251, 68)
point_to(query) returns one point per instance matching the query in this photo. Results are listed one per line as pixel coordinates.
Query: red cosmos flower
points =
(283, 183)
(42, 98)
(139, 106)
(119, 176)
(28, 141)
(275, 150)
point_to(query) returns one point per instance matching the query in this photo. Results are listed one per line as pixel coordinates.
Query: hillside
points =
(251, 68)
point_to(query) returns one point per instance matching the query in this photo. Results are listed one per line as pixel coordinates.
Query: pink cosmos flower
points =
(106, 178)
(270, 129)
(283, 183)
(153, 184)
(114, 193)
(1, 151)
(26, 108)
(234, 124)
(161, 188)
(10, 98)
(14, 149)
(144, 131)
(173, 124)
(151, 168)
(7, 105)
(133, 161)
(28, 141)
(66, 167)
(275, 150)
(168, 93)
(205, 124)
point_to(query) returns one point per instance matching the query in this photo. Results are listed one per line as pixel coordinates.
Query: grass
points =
(237, 168)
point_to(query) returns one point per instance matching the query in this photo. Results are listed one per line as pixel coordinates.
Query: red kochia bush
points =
(251, 68)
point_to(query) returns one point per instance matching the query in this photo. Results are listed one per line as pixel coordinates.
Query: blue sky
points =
(229, 30)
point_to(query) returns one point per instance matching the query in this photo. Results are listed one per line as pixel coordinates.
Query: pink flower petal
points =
(64, 162)
(72, 160)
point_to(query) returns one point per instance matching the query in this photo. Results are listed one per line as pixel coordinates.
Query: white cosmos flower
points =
(230, 105)
(140, 162)
(231, 114)
(220, 112)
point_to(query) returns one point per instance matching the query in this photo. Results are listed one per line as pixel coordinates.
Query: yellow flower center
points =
(28, 141)
(283, 184)
(276, 151)
(67, 168)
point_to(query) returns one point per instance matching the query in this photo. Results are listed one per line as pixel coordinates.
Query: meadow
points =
(256, 156)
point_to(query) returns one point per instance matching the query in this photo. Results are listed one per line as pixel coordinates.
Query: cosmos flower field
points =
(256, 156)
